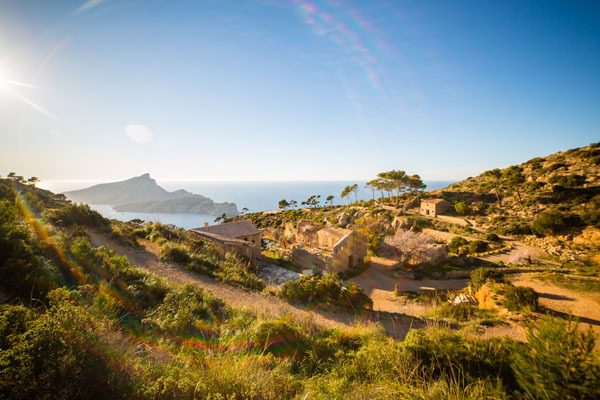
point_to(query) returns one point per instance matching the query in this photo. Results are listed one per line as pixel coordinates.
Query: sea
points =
(255, 196)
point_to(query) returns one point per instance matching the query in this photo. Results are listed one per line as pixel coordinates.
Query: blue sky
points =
(293, 90)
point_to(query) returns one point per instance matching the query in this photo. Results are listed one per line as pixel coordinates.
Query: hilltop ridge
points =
(565, 183)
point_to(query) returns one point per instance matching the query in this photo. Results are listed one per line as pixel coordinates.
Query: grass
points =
(181, 343)
(425, 297)
(464, 313)
(427, 271)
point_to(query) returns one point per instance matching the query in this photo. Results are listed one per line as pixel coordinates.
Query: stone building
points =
(240, 237)
(324, 248)
(434, 207)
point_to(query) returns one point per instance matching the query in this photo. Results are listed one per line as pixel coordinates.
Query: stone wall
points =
(324, 248)
(349, 252)
(247, 250)
(305, 259)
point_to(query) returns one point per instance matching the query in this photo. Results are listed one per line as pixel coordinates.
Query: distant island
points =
(143, 194)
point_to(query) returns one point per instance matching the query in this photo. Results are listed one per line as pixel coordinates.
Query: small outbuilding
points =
(434, 207)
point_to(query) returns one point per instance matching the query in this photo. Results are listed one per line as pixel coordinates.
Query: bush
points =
(325, 289)
(186, 311)
(554, 223)
(461, 208)
(175, 253)
(77, 214)
(457, 312)
(519, 298)
(478, 246)
(568, 180)
(456, 243)
(444, 353)
(23, 272)
(60, 356)
(557, 362)
(480, 276)
(591, 217)
(517, 228)
(238, 272)
(492, 237)
(375, 240)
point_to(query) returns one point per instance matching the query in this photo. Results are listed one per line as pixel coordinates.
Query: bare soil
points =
(563, 302)
(379, 284)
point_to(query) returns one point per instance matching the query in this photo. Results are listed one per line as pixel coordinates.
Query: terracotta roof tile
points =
(433, 201)
(234, 229)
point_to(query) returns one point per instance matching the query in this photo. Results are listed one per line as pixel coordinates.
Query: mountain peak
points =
(143, 194)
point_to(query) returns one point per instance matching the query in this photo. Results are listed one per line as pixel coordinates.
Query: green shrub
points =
(516, 228)
(176, 253)
(444, 353)
(325, 289)
(461, 208)
(419, 223)
(554, 223)
(24, 273)
(278, 336)
(138, 289)
(375, 240)
(61, 356)
(478, 246)
(567, 180)
(77, 214)
(557, 362)
(238, 272)
(457, 312)
(492, 237)
(481, 275)
(519, 298)
(13, 322)
(186, 311)
(591, 215)
(456, 243)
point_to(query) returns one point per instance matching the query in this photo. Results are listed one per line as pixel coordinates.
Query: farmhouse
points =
(324, 248)
(241, 237)
(434, 207)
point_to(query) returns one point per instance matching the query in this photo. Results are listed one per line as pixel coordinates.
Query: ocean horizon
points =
(255, 196)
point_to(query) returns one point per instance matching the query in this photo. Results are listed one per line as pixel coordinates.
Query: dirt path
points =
(263, 304)
(379, 283)
(519, 253)
(562, 301)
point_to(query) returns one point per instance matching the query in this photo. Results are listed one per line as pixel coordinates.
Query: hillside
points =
(143, 194)
(80, 322)
(563, 187)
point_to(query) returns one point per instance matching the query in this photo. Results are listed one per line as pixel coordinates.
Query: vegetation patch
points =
(519, 298)
(325, 290)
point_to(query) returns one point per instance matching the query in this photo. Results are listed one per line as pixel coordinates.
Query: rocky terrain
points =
(554, 201)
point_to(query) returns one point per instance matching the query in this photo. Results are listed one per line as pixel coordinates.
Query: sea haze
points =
(256, 196)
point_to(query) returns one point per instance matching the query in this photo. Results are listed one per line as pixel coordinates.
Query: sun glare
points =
(2, 78)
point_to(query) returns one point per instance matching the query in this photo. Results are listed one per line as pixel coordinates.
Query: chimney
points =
(206, 224)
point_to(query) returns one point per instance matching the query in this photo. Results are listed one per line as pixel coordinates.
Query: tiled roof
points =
(234, 229)
(433, 201)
